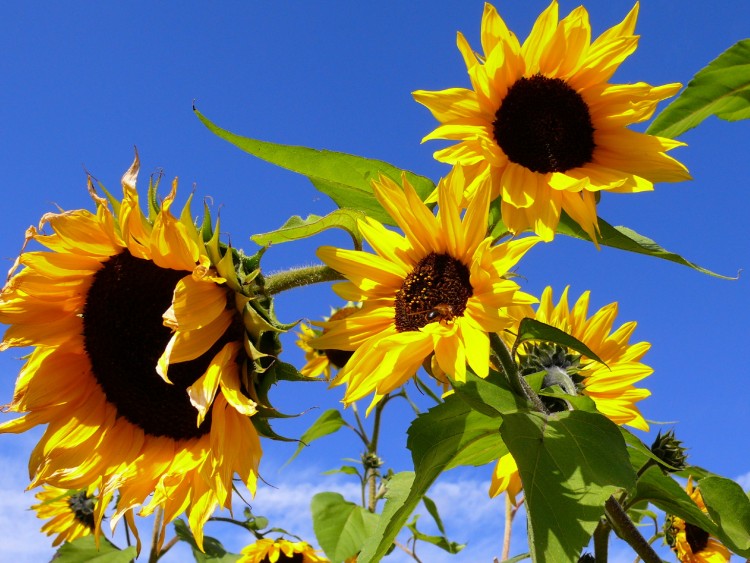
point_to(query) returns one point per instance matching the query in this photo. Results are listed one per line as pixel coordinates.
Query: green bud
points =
(670, 451)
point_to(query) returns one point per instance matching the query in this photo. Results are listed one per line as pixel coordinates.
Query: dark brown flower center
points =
(696, 537)
(437, 289)
(124, 336)
(82, 507)
(544, 125)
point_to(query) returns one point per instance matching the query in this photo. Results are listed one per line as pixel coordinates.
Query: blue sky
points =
(85, 82)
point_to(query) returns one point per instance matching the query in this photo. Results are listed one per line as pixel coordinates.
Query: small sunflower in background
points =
(545, 126)
(323, 362)
(690, 543)
(279, 551)
(610, 386)
(139, 365)
(438, 289)
(71, 513)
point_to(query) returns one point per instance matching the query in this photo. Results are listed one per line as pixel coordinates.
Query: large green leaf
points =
(341, 527)
(721, 89)
(666, 493)
(627, 239)
(84, 549)
(569, 463)
(327, 423)
(448, 435)
(297, 228)
(491, 396)
(397, 494)
(345, 178)
(729, 506)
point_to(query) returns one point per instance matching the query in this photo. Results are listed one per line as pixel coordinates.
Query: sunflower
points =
(135, 330)
(439, 289)
(690, 543)
(323, 361)
(545, 126)
(279, 551)
(72, 513)
(610, 386)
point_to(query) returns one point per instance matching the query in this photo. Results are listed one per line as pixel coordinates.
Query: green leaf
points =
(439, 541)
(627, 239)
(397, 495)
(532, 329)
(328, 423)
(446, 436)
(341, 527)
(432, 509)
(213, 551)
(84, 549)
(729, 507)
(491, 396)
(666, 493)
(721, 89)
(345, 178)
(569, 464)
(345, 469)
(298, 228)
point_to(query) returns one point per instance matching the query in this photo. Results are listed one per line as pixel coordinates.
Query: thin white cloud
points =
(744, 481)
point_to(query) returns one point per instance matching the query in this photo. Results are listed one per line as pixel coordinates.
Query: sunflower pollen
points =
(437, 289)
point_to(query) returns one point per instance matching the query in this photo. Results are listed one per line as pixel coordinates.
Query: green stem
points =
(299, 277)
(623, 525)
(517, 382)
(373, 450)
(158, 519)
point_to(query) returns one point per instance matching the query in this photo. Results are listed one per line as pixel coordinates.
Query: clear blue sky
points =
(84, 82)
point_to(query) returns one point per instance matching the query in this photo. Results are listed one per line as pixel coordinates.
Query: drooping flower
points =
(320, 362)
(438, 289)
(71, 513)
(544, 124)
(138, 359)
(279, 551)
(690, 543)
(609, 385)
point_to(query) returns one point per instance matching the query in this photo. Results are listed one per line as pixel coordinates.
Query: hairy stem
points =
(299, 277)
(517, 382)
(153, 556)
(509, 513)
(601, 541)
(623, 525)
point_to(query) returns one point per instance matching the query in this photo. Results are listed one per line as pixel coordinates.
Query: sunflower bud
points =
(670, 451)
(586, 558)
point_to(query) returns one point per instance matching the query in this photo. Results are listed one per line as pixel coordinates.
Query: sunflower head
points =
(71, 513)
(609, 385)
(440, 288)
(279, 551)
(323, 361)
(690, 543)
(148, 343)
(543, 124)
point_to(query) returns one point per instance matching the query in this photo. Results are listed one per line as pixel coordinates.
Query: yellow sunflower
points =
(610, 386)
(690, 543)
(280, 551)
(323, 361)
(136, 326)
(72, 513)
(439, 289)
(544, 124)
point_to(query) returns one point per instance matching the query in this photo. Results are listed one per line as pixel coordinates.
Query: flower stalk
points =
(299, 277)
